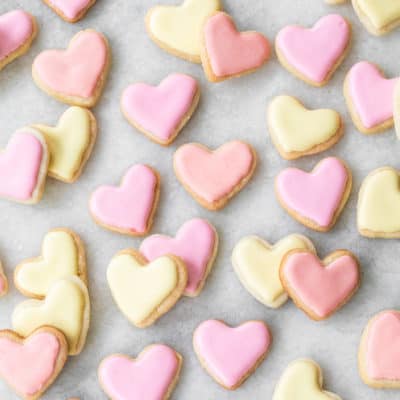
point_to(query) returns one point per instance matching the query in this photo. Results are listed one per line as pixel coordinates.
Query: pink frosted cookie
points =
(23, 167)
(18, 29)
(3, 282)
(315, 199)
(196, 243)
(379, 353)
(227, 53)
(161, 112)
(70, 10)
(129, 208)
(320, 288)
(313, 55)
(214, 177)
(31, 365)
(231, 355)
(77, 75)
(151, 376)
(369, 97)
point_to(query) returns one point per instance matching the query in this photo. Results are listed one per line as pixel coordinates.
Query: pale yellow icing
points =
(379, 202)
(296, 128)
(380, 12)
(138, 290)
(63, 308)
(59, 260)
(302, 380)
(180, 27)
(257, 266)
(68, 141)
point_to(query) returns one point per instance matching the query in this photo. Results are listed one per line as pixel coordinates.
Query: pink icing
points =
(229, 354)
(383, 347)
(371, 94)
(71, 8)
(20, 166)
(77, 70)
(147, 378)
(194, 243)
(231, 52)
(160, 110)
(321, 288)
(129, 206)
(213, 175)
(314, 52)
(28, 367)
(16, 27)
(315, 195)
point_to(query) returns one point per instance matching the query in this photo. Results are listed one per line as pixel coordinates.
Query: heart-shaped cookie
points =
(196, 243)
(177, 29)
(378, 210)
(161, 112)
(379, 352)
(23, 167)
(30, 365)
(145, 291)
(320, 288)
(315, 199)
(227, 53)
(369, 97)
(66, 308)
(77, 75)
(257, 263)
(231, 355)
(214, 177)
(70, 10)
(314, 54)
(129, 208)
(396, 109)
(17, 31)
(297, 131)
(378, 16)
(3, 282)
(124, 378)
(63, 255)
(70, 143)
(302, 379)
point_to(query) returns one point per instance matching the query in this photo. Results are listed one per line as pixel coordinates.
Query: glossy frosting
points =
(194, 243)
(380, 12)
(70, 8)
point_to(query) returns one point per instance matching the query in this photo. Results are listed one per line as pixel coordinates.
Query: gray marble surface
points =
(230, 110)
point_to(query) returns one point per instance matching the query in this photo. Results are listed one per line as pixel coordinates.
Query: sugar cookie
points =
(23, 167)
(129, 208)
(66, 308)
(124, 378)
(335, 1)
(369, 97)
(30, 365)
(145, 291)
(302, 380)
(378, 209)
(70, 143)
(378, 356)
(75, 76)
(161, 112)
(320, 288)
(3, 282)
(70, 10)
(177, 29)
(231, 355)
(378, 16)
(257, 263)
(297, 131)
(18, 30)
(63, 255)
(311, 54)
(227, 53)
(196, 243)
(212, 178)
(396, 109)
(315, 199)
